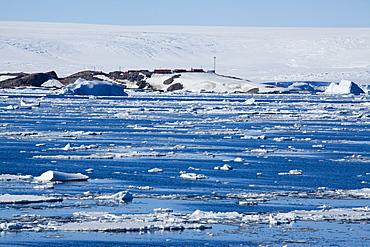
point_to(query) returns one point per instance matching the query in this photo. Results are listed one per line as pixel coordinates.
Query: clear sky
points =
(247, 13)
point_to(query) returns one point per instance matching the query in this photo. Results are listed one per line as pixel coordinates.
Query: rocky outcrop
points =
(88, 75)
(170, 80)
(176, 86)
(35, 79)
(138, 77)
(130, 76)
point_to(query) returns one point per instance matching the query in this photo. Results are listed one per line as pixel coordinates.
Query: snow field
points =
(258, 54)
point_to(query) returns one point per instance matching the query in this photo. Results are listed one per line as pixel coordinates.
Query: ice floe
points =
(105, 222)
(225, 167)
(192, 176)
(23, 199)
(44, 187)
(335, 214)
(140, 187)
(24, 104)
(61, 176)
(238, 159)
(11, 177)
(291, 172)
(119, 196)
(68, 147)
(76, 157)
(155, 170)
(162, 210)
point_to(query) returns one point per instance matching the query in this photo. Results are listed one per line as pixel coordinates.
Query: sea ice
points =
(22, 199)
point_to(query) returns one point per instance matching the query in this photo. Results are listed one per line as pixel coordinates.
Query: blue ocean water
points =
(326, 137)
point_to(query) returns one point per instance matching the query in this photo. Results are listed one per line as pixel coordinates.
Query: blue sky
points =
(248, 13)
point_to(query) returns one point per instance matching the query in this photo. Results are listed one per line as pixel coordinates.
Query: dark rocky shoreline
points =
(37, 79)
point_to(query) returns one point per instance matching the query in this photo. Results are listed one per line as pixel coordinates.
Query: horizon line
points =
(169, 25)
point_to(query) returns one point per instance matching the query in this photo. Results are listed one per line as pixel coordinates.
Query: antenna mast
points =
(214, 64)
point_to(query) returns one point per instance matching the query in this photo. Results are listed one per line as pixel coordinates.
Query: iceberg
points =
(24, 104)
(155, 170)
(97, 88)
(225, 167)
(344, 87)
(61, 176)
(119, 196)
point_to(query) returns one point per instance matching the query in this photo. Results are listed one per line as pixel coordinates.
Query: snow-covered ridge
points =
(268, 54)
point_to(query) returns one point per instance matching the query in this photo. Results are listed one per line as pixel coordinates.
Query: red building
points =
(197, 70)
(162, 71)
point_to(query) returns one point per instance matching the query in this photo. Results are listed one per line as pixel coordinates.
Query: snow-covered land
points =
(256, 54)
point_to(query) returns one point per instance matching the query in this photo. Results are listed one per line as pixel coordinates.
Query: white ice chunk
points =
(344, 87)
(291, 172)
(24, 104)
(120, 196)
(193, 176)
(225, 167)
(21, 199)
(44, 187)
(162, 210)
(155, 170)
(61, 176)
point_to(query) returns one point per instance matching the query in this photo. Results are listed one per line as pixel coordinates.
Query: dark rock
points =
(132, 76)
(52, 74)
(36, 79)
(87, 75)
(143, 85)
(170, 80)
(176, 86)
(138, 77)
(16, 74)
